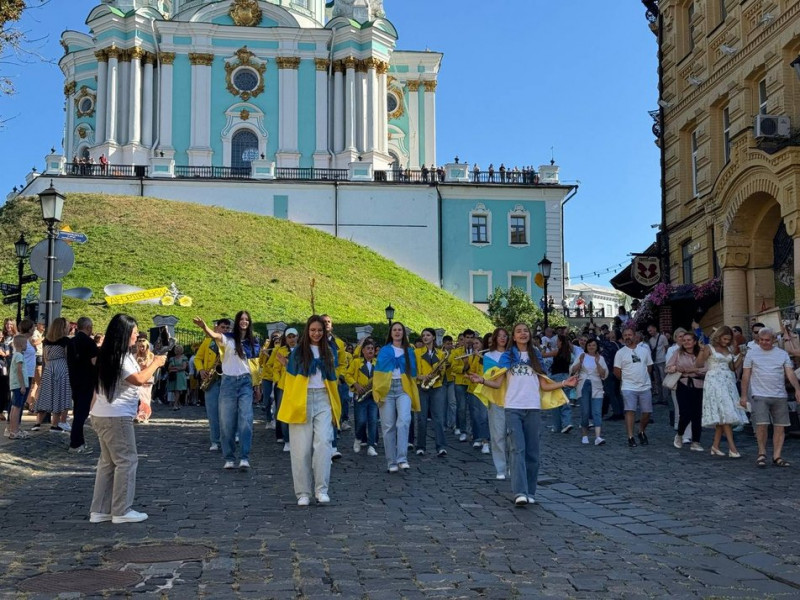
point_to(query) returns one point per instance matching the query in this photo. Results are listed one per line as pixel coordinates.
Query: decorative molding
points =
(149, 58)
(288, 62)
(400, 110)
(322, 64)
(382, 67)
(112, 52)
(64, 45)
(137, 53)
(349, 62)
(245, 13)
(69, 89)
(167, 58)
(338, 66)
(101, 55)
(430, 86)
(201, 59)
(413, 85)
(245, 58)
(244, 114)
(124, 55)
(84, 92)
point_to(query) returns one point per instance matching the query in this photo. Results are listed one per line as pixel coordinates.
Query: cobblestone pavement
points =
(610, 522)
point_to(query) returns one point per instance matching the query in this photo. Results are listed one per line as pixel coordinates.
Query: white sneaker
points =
(323, 498)
(65, 426)
(456, 431)
(244, 464)
(521, 500)
(696, 447)
(585, 439)
(462, 437)
(393, 469)
(371, 451)
(345, 426)
(420, 452)
(303, 501)
(485, 449)
(229, 464)
(404, 466)
(356, 446)
(287, 447)
(214, 448)
(531, 500)
(566, 429)
(99, 517)
(677, 442)
(476, 444)
(598, 441)
(336, 454)
(84, 449)
(500, 476)
(270, 424)
(6, 432)
(130, 517)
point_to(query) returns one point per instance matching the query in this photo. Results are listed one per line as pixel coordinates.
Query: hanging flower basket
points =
(705, 295)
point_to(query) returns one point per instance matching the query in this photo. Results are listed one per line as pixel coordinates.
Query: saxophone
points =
(436, 373)
(213, 374)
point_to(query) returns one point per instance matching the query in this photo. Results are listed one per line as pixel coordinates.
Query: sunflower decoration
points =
(185, 301)
(174, 296)
(167, 300)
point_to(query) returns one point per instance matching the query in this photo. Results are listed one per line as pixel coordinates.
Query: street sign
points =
(9, 288)
(11, 299)
(72, 236)
(65, 259)
(30, 278)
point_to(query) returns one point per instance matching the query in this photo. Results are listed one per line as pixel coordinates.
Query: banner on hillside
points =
(151, 294)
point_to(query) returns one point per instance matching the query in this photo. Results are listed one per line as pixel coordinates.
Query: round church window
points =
(85, 105)
(391, 103)
(245, 80)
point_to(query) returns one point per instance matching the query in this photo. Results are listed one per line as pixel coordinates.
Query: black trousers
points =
(690, 405)
(81, 402)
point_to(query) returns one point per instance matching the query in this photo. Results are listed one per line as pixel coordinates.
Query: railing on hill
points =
(311, 174)
(98, 170)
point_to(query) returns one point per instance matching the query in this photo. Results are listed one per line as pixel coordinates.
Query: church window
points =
(391, 103)
(480, 229)
(85, 105)
(245, 79)
(244, 149)
(394, 104)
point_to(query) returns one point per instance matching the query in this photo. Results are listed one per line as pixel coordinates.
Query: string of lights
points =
(604, 271)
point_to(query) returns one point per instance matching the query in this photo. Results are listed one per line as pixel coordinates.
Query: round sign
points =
(65, 259)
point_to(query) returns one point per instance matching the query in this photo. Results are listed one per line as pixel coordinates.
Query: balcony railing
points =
(439, 175)
(184, 171)
(98, 170)
(311, 174)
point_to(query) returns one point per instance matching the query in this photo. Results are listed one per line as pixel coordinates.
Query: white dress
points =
(720, 396)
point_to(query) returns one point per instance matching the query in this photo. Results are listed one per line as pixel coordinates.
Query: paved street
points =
(611, 522)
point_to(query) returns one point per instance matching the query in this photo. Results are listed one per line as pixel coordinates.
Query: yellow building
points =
(730, 104)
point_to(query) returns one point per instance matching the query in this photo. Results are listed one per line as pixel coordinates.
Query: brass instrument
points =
(432, 377)
(213, 374)
(367, 391)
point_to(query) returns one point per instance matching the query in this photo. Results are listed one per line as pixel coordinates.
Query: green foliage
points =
(227, 261)
(512, 306)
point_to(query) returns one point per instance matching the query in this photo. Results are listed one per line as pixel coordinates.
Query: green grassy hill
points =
(227, 261)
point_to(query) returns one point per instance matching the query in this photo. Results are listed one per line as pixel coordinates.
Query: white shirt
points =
(315, 378)
(588, 372)
(126, 400)
(768, 377)
(232, 365)
(659, 343)
(398, 352)
(633, 365)
(522, 390)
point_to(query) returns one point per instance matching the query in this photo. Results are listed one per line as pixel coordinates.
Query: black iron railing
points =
(439, 175)
(311, 174)
(98, 170)
(185, 171)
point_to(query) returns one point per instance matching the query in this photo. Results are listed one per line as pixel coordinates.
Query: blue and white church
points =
(301, 110)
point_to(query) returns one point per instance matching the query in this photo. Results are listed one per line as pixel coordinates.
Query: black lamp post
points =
(21, 250)
(52, 207)
(389, 310)
(544, 268)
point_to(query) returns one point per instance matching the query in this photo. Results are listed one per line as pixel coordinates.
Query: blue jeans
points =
(236, 415)
(212, 411)
(281, 428)
(461, 408)
(450, 396)
(561, 416)
(480, 418)
(344, 396)
(589, 405)
(523, 428)
(497, 431)
(436, 400)
(311, 445)
(395, 420)
(366, 414)
(266, 398)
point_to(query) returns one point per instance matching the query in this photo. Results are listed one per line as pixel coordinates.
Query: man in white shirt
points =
(764, 372)
(632, 366)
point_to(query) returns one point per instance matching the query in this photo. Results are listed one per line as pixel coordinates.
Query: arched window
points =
(244, 149)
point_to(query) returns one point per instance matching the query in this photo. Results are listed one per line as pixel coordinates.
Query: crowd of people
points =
(492, 390)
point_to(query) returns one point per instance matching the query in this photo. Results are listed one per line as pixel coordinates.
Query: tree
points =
(512, 306)
(15, 45)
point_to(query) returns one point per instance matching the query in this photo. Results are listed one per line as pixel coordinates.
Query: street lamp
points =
(21, 250)
(389, 310)
(52, 206)
(544, 268)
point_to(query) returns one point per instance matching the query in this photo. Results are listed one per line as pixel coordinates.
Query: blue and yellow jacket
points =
(425, 366)
(382, 377)
(294, 407)
(357, 373)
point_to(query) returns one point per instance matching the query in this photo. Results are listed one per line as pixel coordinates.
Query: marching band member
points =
(359, 377)
(395, 391)
(311, 407)
(236, 387)
(460, 370)
(448, 383)
(267, 382)
(498, 344)
(278, 359)
(479, 418)
(205, 361)
(429, 359)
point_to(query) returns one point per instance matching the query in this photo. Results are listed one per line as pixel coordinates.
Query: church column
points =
(733, 261)
(200, 137)
(101, 98)
(147, 92)
(165, 90)
(361, 106)
(288, 154)
(69, 100)
(372, 113)
(383, 115)
(349, 104)
(413, 124)
(135, 120)
(430, 122)
(321, 157)
(124, 83)
(111, 100)
(338, 106)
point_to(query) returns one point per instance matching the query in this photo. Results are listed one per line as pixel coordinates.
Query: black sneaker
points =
(643, 438)
(631, 443)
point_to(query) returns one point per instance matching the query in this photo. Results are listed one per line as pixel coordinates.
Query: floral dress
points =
(720, 396)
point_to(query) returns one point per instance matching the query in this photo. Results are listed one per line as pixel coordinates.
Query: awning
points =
(625, 282)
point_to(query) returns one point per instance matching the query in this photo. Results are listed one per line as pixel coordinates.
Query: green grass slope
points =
(227, 261)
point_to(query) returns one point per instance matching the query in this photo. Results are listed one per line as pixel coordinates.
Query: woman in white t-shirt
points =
(590, 368)
(114, 407)
(524, 380)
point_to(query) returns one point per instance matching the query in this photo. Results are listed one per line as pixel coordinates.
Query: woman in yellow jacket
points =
(479, 417)
(431, 365)
(265, 371)
(498, 344)
(276, 360)
(359, 378)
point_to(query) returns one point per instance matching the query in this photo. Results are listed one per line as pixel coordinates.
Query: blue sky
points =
(519, 77)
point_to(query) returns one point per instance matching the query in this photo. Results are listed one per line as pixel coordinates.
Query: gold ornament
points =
(245, 13)
(245, 58)
(81, 133)
(244, 115)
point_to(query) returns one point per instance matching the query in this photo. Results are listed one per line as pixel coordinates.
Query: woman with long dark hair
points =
(6, 352)
(498, 344)
(55, 393)
(689, 390)
(311, 406)
(395, 390)
(236, 387)
(115, 405)
(591, 369)
(559, 371)
(429, 358)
